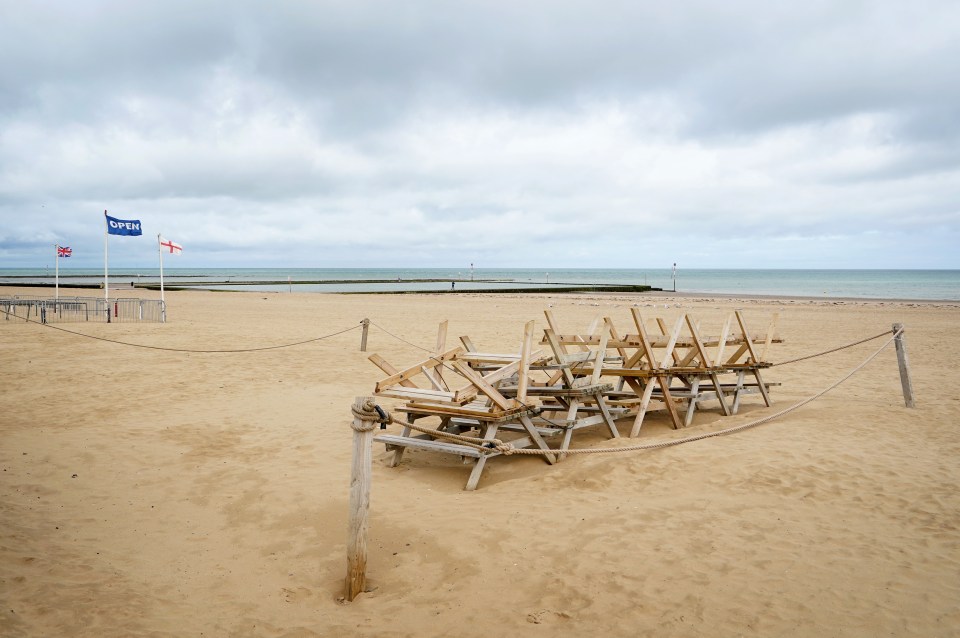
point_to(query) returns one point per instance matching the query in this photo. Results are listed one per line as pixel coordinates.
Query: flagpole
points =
(106, 249)
(56, 279)
(160, 252)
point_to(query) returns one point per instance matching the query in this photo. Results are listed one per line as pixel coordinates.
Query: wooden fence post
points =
(902, 361)
(364, 421)
(363, 337)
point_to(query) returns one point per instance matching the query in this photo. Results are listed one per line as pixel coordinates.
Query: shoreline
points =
(659, 294)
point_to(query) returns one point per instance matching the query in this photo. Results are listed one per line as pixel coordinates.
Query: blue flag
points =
(123, 226)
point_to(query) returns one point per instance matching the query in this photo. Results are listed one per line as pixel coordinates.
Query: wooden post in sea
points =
(363, 337)
(365, 419)
(902, 361)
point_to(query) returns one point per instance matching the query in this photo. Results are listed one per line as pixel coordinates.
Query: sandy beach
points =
(150, 492)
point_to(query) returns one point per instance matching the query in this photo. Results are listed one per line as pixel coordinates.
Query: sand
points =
(156, 493)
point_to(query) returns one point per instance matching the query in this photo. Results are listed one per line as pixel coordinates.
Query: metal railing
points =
(76, 309)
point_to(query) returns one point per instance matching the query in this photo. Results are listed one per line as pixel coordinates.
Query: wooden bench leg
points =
(475, 474)
(536, 438)
(568, 433)
(763, 387)
(398, 452)
(607, 418)
(644, 403)
(668, 399)
(738, 392)
(489, 433)
(722, 399)
(692, 403)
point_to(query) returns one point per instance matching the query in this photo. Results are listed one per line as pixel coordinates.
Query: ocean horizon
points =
(855, 283)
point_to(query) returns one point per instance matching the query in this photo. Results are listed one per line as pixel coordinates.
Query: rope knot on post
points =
(367, 415)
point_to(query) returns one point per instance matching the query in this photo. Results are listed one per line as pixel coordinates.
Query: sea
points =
(866, 284)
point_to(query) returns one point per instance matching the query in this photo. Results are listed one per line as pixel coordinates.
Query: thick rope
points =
(409, 343)
(371, 412)
(140, 345)
(837, 349)
(508, 449)
(474, 442)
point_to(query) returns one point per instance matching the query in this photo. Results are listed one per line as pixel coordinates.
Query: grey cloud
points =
(436, 122)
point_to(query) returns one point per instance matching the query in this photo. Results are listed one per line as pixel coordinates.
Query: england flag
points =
(172, 248)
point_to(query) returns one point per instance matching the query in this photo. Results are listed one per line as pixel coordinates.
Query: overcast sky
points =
(508, 134)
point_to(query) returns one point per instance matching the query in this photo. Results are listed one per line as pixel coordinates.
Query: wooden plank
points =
(644, 393)
(615, 338)
(551, 321)
(592, 330)
(465, 340)
(753, 358)
(441, 338)
(695, 397)
(656, 341)
(673, 338)
(433, 381)
(392, 440)
(473, 377)
(441, 344)
(381, 363)
(600, 354)
(687, 359)
(736, 355)
(607, 417)
(720, 397)
(664, 383)
(488, 357)
(645, 346)
(418, 393)
(478, 413)
(489, 434)
(537, 439)
(492, 378)
(771, 333)
(746, 337)
(563, 391)
(560, 353)
(413, 371)
(722, 340)
(524, 368)
(705, 360)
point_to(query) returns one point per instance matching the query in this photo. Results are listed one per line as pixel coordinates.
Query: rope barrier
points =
(188, 350)
(507, 449)
(409, 343)
(837, 349)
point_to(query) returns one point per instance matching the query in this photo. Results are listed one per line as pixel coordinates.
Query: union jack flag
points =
(64, 251)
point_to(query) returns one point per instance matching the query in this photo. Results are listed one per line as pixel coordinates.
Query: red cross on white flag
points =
(174, 249)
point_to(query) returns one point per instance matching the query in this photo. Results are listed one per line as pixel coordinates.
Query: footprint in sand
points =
(295, 595)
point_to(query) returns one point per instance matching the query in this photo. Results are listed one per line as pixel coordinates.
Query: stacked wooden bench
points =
(475, 399)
